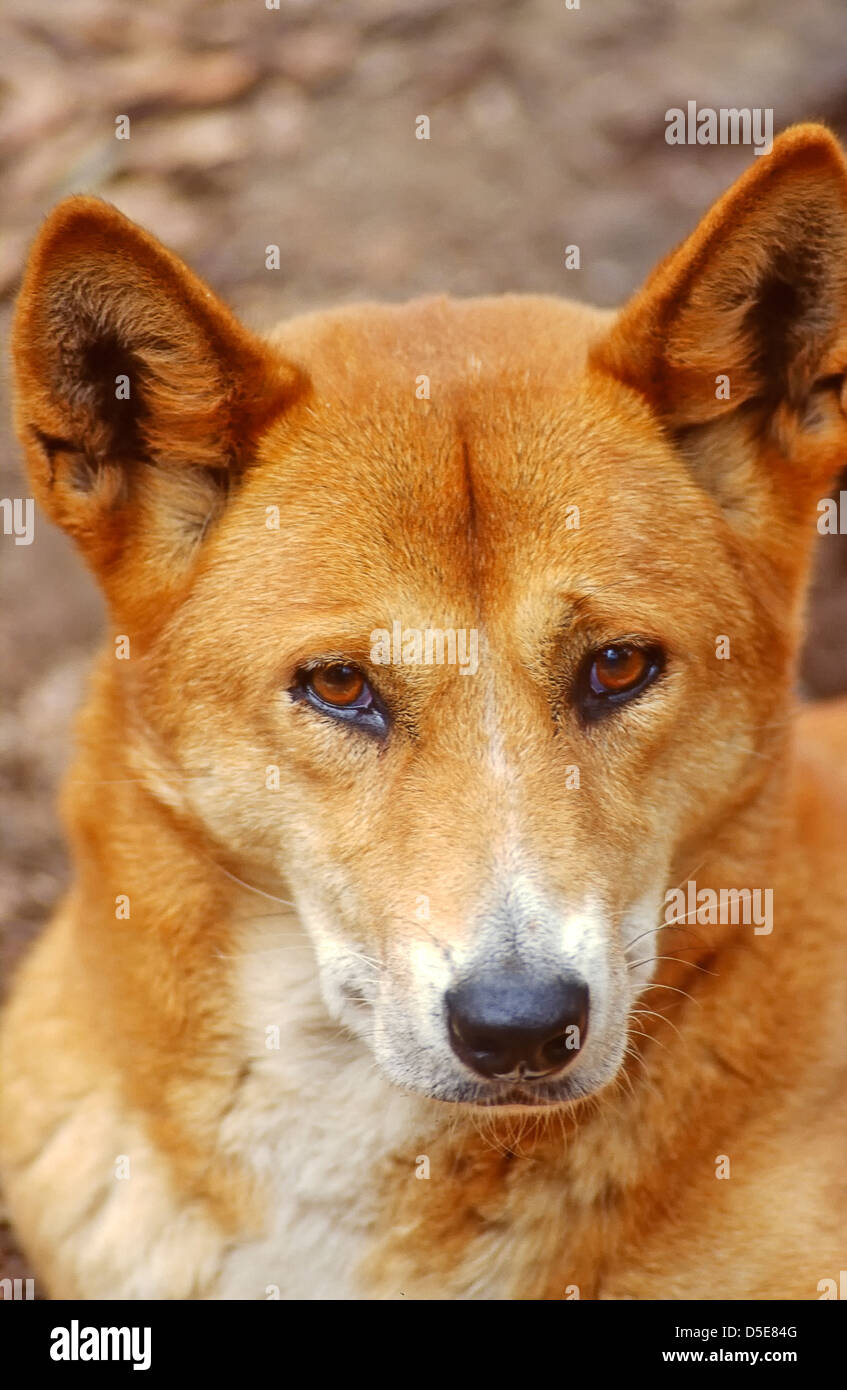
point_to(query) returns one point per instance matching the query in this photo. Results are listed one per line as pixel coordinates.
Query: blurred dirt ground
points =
(251, 126)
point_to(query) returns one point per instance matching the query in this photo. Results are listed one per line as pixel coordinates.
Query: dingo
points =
(357, 989)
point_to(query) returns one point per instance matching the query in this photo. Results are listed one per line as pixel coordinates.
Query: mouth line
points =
(520, 1101)
(516, 1097)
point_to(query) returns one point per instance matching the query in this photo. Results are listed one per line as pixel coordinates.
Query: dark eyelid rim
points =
(373, 719)
(592, 707)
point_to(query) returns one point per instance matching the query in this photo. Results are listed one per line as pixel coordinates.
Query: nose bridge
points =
(482, 811)
(505, 745)
(515, 768)
(485, 800)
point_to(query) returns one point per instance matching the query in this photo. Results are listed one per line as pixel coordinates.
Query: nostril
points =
(504, 1022)
(560, 1048)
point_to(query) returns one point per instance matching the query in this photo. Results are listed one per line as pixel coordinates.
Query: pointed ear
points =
(139, 397)
(746, 323)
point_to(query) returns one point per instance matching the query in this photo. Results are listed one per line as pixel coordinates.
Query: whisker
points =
(655, 985)
(126, 781)
(651, 1013)
(692, 963)
(663, 926)
(249, 886)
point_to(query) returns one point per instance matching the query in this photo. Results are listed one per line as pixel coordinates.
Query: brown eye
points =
(338, 690)
(338, 684)
(613, 675)
(617, 669)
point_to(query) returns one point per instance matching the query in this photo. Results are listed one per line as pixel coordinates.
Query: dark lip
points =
(538, 1097)
(525, 1100)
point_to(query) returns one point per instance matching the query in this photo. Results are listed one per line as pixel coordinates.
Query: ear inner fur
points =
(125, 363)
(758, 292)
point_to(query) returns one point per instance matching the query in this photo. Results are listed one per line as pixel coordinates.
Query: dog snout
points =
(511, 1023)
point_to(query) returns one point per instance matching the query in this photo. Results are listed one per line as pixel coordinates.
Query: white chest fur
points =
(315, 1119)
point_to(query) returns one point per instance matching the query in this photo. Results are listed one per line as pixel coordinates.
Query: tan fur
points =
(291, 1169)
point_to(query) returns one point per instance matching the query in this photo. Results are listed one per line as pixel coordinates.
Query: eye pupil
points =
(338, 684)
(618, 668)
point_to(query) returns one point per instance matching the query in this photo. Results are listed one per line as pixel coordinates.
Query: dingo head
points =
(619, 508)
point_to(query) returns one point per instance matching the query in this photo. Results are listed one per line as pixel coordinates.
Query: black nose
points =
(509, 1021)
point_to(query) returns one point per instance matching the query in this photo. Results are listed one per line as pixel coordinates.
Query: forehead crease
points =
(438, 497)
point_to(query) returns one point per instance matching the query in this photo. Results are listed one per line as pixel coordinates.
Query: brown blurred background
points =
(252, 126)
